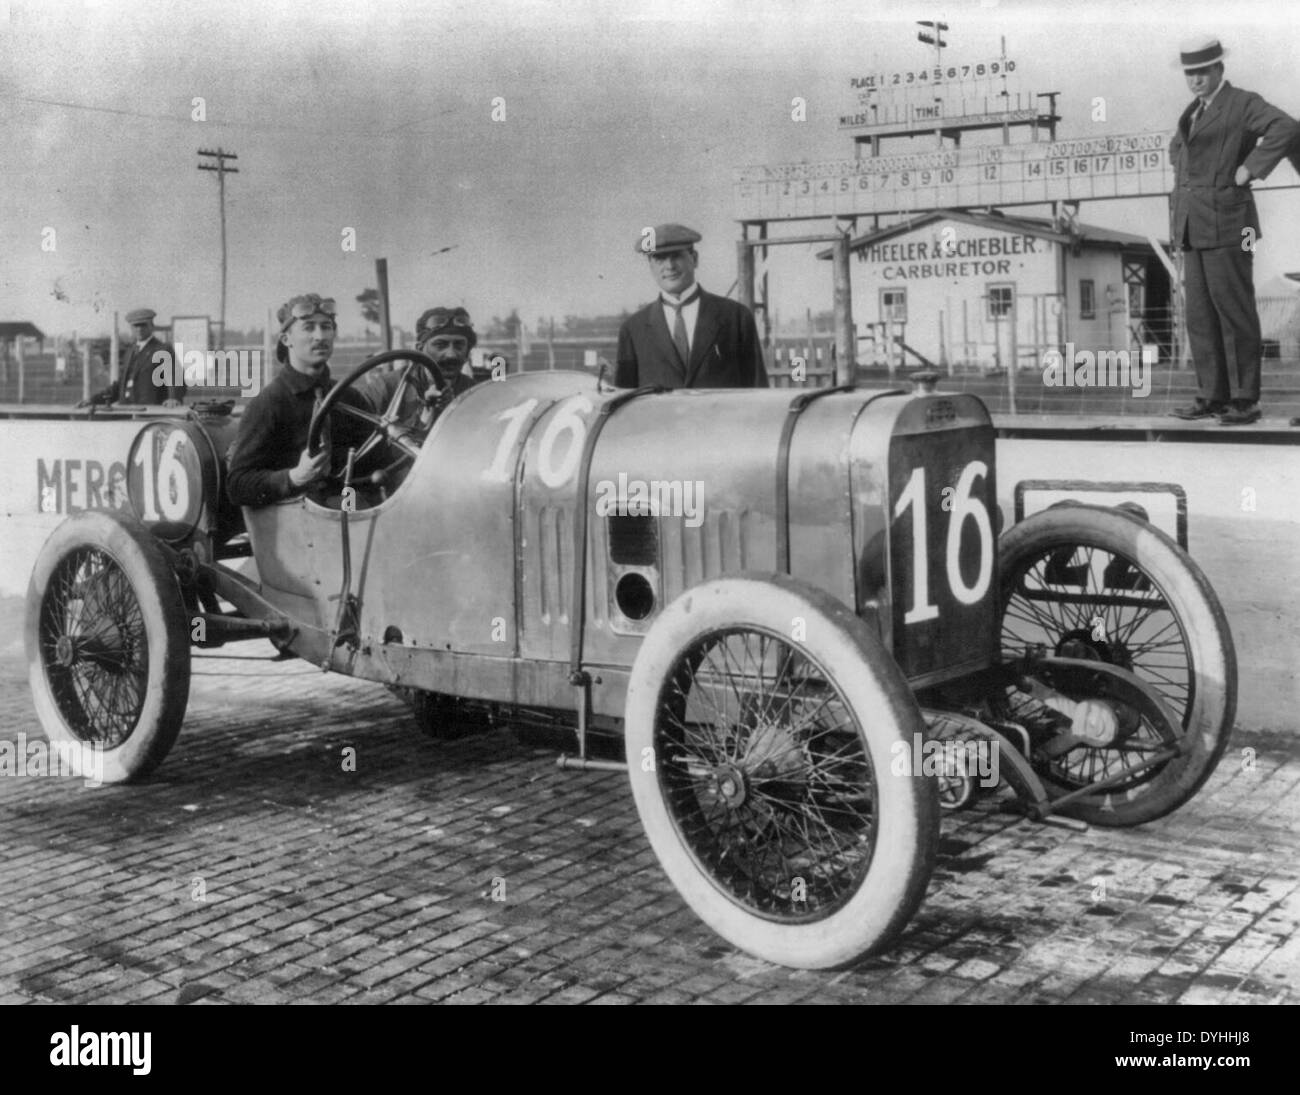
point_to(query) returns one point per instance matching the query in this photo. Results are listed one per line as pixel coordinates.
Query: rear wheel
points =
(1093, 583)
(107, 646)
(769, 740)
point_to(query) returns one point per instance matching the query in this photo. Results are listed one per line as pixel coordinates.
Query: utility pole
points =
(222, 171)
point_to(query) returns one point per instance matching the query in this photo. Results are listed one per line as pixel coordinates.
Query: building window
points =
(893, 305)
(1000, 299)
(1087, 299)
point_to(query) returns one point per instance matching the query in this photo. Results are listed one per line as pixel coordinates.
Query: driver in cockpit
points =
(269, 460)
(444, 334)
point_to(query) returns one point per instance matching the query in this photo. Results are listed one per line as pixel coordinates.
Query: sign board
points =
(1029, 173)
(192, 331)
(910, 118)
(1163, 504)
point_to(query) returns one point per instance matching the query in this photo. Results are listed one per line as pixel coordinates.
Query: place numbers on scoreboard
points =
(1112, 167)
(933, 75)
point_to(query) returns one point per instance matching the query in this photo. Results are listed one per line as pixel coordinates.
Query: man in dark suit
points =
(687, 338)
(138, 383)
(136, 378)
(1225, 138)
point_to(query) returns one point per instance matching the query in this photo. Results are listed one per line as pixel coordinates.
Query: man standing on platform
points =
(1226, 137)
(687, 338)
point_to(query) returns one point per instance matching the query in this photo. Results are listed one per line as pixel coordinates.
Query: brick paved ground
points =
(253, 868)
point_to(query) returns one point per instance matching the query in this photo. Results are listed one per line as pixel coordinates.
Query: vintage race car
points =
(794, 610)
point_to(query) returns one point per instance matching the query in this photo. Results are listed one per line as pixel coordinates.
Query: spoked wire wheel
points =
(1097, 584)
(767, 775)
(95, 647)
(107, 646)
(761, 717)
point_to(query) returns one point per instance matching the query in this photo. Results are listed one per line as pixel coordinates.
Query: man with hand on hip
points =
(1226, 137)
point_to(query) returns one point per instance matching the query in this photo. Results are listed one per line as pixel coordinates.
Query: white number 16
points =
(964, 508)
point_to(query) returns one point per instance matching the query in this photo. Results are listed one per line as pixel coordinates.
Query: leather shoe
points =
(1240, 414)
(1200, 408)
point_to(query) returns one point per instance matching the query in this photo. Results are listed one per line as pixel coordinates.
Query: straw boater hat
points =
(1200, 53)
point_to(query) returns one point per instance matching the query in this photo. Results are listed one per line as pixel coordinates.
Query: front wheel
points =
(1098, 584)
(769, 745)
(108, 649)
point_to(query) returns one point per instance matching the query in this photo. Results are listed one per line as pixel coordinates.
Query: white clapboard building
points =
(984, 289)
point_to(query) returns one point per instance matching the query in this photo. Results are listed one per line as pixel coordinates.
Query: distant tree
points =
(369, 301)
(593, 326)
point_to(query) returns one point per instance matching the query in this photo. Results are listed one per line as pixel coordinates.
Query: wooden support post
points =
(845, 355)
(745, 274)
(114, 354)
(22, 367)
(270, 336)
(1014, 352)
(385, 323)
(84, 347)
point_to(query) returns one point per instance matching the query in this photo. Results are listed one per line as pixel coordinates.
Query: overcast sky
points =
(376, 116)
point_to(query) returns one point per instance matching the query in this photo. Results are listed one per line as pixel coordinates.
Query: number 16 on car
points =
(942, 554)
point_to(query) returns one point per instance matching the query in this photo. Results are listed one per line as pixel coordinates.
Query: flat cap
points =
(140, 315)
(663, 238)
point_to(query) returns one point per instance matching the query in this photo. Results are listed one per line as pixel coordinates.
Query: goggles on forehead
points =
(305, 306)
(436, 319)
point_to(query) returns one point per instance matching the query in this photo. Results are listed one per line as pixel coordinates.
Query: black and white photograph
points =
(667, 503)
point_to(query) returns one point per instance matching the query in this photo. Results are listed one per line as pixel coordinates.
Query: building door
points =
(1040, 325)
(1000, 315)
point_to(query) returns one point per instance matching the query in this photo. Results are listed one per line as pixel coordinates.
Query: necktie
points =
(1196, 117)
(679, 328)
(128, 379)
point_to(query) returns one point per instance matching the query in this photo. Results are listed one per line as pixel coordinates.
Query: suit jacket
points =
(1208, 209)
(137, 374)
(725, 351)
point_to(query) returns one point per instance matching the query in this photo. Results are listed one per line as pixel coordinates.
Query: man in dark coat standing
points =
(136, 383)
(138, 369)
(1226, 137)
(687, 338)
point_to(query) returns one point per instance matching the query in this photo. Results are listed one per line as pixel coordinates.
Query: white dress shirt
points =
(689, 314)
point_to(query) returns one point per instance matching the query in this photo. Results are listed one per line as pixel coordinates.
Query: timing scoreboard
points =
(931, 76)
(1125, 166)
